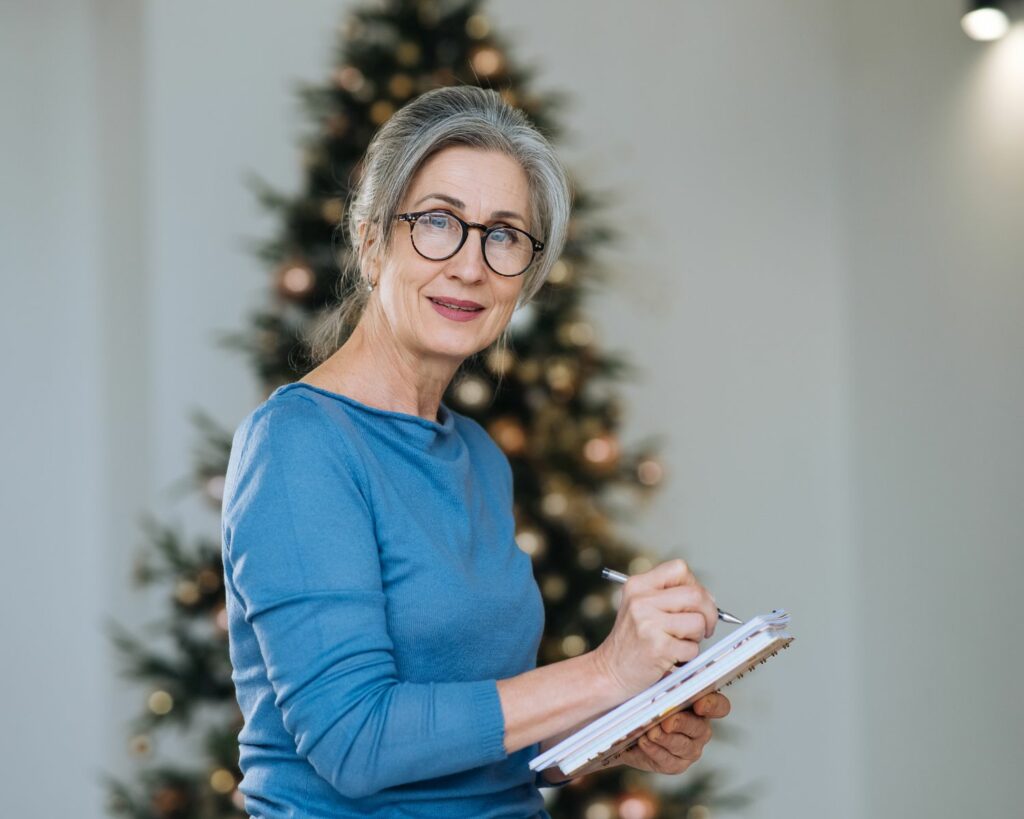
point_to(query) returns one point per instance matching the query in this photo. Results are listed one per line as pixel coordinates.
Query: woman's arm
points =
(547, 704)
(301, 560)
(538, 704)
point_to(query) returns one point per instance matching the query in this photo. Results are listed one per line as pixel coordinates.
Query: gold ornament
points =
(640, 564)
(428, 13)
(208, 580)
(332, 210)
(487, 61)
(509, 435)
(573, 645)
(222, 780)
(169, 801)
(444, 76)
(214, 487)
(594, 605)
(602, 452)
(473, 392)
(294, 280)
(353, 28)
(649, 471)
(554, 504)
(407, 53)
(220, 617)
(366, 92)
(477, 26)
(187, 592)
(575, 334)
(349, 78)
(528, 371)
(589, 557)
(561, 272)
(600, 809)
(596, 524)
(381, 111)
(401, 86)
(160, 703)
(561, 376)
(531, 541)
(337, 125)
(554, 587)
(500, 360)
(637, 805)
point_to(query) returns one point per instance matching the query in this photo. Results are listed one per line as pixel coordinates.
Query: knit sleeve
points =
(302, 556)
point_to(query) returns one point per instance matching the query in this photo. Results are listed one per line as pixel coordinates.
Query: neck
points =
(373, 368)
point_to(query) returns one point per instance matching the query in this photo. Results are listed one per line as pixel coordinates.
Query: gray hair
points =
(452, 115)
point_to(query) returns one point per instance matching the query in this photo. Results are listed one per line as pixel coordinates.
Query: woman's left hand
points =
(675, 743)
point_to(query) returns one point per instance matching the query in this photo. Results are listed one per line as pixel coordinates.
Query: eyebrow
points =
(498, 214)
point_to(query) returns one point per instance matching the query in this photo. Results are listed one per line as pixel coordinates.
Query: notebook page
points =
(603, 749)
(629, 712)
(638, 700)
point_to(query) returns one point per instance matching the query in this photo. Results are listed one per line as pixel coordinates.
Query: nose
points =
(468, 263)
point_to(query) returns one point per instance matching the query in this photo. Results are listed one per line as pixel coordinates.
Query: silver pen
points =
(619, 577)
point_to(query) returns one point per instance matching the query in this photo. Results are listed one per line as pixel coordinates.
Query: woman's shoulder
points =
(289, 423)
(477, 436)
(283, 413)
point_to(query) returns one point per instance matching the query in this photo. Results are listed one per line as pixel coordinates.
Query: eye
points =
(438, 220)
(505, 236)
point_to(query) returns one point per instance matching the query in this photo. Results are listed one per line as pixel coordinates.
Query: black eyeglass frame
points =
(536, 244)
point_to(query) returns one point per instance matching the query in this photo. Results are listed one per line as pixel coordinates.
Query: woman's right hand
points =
(663, 615)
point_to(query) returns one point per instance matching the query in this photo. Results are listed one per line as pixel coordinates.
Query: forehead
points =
(484, 180)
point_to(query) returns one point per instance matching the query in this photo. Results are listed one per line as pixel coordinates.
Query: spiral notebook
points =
(596, 745)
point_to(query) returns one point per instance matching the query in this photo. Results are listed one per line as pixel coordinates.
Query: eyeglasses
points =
(439, 235)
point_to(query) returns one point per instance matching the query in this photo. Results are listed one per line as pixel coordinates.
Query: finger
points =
(688, 724)
(715, 705)
(681, 745)
(691, 598)
(663, 760)
(687, 625)
(664, 575)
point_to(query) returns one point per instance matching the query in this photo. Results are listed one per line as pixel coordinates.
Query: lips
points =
(458, 304)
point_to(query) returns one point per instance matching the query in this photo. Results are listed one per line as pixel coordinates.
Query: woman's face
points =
(473, 184)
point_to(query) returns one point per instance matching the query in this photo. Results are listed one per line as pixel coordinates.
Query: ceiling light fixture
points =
(985, 20)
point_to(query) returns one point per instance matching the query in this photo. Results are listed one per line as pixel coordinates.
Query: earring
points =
(369, 286)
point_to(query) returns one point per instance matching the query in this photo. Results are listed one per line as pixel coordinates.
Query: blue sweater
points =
(375, 594)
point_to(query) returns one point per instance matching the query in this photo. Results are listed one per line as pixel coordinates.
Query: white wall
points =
(715, 125)
(934, 192)
(53, 685)
(823, 287)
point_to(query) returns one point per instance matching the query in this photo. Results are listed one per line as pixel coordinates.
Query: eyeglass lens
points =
(507, 250)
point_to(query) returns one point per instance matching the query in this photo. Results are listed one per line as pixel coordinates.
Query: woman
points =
(383, 624)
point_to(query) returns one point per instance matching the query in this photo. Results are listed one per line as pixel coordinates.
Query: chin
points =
(458, 350)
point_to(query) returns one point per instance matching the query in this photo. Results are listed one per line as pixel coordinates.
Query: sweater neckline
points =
(445, 425)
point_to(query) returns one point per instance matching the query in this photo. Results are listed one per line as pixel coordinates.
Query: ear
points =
(367, 236)
(367, 239)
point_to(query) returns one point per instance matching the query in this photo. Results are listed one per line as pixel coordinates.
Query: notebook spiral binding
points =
(595, 746)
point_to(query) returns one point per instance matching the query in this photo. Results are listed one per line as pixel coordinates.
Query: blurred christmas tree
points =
(549, 402)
